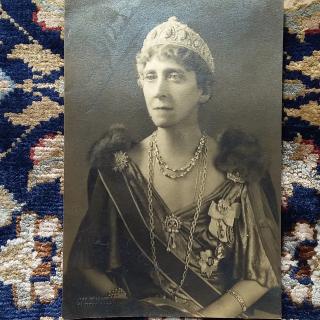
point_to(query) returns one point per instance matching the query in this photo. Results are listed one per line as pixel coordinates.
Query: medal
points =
(172, 226)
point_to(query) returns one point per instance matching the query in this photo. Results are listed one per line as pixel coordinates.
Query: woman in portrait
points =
(180, 221)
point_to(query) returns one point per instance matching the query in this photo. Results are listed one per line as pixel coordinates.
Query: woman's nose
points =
(161, 87)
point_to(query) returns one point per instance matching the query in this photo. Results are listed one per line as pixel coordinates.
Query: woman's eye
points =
(150, 76)
(175, 76)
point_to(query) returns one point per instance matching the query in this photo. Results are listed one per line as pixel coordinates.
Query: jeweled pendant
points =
(172, 225)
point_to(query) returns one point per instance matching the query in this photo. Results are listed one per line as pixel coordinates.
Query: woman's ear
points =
(139, 82)
(205, 93)
(204, 97)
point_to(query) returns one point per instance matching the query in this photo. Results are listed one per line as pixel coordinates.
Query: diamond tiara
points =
(176, 33)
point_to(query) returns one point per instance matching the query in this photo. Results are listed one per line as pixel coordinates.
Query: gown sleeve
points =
(95, 245)
(257, 239)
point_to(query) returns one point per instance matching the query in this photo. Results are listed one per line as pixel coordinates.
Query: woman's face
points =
(171, 92)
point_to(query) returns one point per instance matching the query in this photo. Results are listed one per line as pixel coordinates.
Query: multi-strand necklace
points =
(172, 223)
(179, 172)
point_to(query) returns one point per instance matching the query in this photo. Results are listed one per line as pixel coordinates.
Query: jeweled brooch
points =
(209, 262)
(172, 225)
(235, 177)
(121, 161)
(223, 213)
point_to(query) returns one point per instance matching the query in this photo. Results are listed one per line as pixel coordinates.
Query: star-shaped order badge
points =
(223, 213)
(121, 161)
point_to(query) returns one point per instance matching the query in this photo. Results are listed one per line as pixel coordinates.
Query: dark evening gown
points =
(232, 242)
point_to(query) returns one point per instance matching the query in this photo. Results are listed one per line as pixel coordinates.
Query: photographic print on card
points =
(172, 158)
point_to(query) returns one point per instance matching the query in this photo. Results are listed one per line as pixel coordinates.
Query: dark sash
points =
(172, 267)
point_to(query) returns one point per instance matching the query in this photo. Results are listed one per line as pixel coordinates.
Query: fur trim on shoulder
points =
(115, 139)
(241, 153)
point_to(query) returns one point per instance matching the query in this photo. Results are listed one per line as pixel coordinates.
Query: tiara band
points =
(179, 34)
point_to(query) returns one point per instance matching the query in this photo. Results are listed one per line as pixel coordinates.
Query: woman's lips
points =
(163, 108)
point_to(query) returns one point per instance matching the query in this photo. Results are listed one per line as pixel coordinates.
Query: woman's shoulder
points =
(139, 151)
(240, 153)
(115, 139)
(115, 146)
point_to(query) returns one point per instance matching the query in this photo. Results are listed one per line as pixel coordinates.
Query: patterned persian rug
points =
(31, 159)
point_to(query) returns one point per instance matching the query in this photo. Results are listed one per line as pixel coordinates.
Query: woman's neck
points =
(177, 145)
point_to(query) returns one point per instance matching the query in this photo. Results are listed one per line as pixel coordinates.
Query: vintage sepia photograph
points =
(172, 159)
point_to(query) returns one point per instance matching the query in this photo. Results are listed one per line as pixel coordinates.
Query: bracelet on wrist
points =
(238, 297)
(116, 293)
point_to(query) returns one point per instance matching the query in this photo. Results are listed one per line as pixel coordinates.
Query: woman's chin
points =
(162, 123)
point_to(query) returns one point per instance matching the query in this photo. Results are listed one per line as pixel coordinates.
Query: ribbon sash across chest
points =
(171, 267)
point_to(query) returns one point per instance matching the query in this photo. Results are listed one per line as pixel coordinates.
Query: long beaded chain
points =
(203, 176)
(179, 172)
